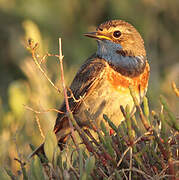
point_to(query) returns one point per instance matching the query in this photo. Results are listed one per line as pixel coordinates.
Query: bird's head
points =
(119, 34)
(116, 39)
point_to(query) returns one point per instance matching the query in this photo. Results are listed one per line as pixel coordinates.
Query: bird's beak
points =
(97, 35)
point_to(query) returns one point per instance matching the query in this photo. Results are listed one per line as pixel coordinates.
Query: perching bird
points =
(102, 82)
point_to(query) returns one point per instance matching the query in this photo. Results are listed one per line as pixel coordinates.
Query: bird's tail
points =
(62, 136)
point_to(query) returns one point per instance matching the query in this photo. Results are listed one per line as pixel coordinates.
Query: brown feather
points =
(83, 83)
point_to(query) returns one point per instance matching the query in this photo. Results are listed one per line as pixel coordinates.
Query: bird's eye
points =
(101, 29)
(116, 34)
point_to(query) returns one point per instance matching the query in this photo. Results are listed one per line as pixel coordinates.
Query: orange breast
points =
(119, 81)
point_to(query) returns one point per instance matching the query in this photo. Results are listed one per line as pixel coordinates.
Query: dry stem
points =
(65, 91)
(41, 112)
(175, 89)
(33, 49)
(39, 126)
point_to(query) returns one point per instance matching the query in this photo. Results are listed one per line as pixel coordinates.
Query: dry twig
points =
(65, 91)
(32, 48)
(39, 126)
(41, 112)
(175, 89)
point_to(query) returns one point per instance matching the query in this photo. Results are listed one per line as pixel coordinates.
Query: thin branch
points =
(102, 172)
(175, 89)
(124, 174)
(71, 167)
(33, 49)
(39, 126)
(62, 76)
(130, 166)
(42, 59)
(37, 118)
(122, 157)
(138, 171)
(64, 90)
(19, 160)
(41, 112)
(136, 141)
(72, 96)
(71, 119)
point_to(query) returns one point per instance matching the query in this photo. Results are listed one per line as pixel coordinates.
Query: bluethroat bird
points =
(102, 82)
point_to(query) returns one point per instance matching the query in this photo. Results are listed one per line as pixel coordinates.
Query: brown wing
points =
(84, 81)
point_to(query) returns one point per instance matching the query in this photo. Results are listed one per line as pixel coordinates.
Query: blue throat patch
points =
(121, 61)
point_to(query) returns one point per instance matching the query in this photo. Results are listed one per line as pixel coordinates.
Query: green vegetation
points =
(135, 152)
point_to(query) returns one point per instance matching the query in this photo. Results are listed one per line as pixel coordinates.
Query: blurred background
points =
(21, 82)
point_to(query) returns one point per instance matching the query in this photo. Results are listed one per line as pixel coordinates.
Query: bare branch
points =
(65, 91)
(45, 111)
(175, 89)
(32, 48)
(39, 126)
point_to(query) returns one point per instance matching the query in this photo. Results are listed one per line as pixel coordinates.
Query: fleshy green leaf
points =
(50, 145)
(81, 161)
(36, 169)
(56, 156)
(89, 165)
